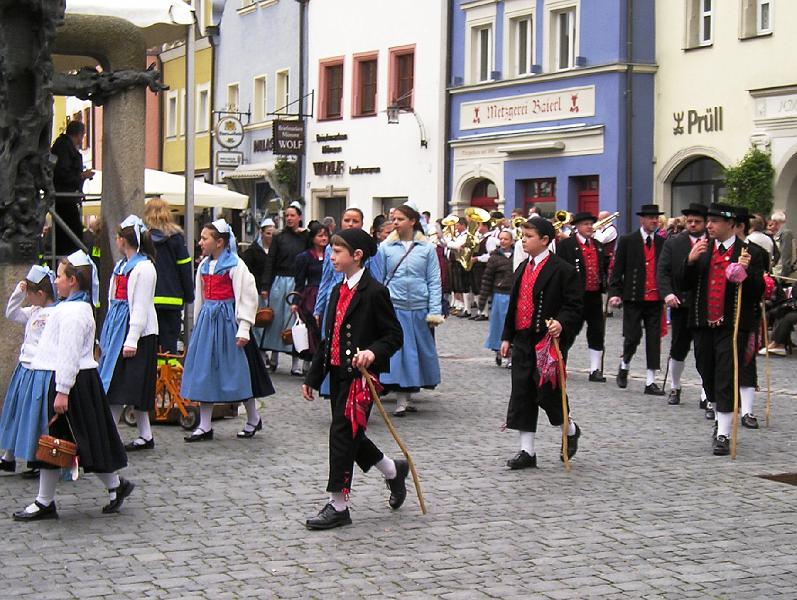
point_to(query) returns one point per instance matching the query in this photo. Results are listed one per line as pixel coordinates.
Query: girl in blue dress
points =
(24, 416)
(223, 364)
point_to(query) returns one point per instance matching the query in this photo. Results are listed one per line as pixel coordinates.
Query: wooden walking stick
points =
(605, 316)
(560, 361)
(766, 362)
(394, 433)
(735, 421)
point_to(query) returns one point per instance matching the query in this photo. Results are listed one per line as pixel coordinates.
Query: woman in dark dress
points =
(309, 266)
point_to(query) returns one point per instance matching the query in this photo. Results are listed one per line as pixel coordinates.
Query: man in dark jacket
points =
(670, 274)
(586, 254)
(68, 178)
(174, 287)
(633, 285)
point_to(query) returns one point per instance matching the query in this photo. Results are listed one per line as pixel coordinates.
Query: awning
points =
(252, 171)
(171, 187)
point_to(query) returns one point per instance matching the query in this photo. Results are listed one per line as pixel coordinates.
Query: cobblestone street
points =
(647, 511)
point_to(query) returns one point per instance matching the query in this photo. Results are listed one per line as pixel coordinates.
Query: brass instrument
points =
(516, 225)
(605, 222)
(448, 225)
(561, 218)
(476, 216)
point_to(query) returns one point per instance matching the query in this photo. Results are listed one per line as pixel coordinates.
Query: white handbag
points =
(301, 338)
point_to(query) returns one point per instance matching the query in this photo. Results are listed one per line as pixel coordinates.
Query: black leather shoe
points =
(703, 404)
(123, 491)
(675, 397)
(147, 445)
(329, 518)
(749, 421)
(498, 358)
(30, 474)
(722, 446)
(710, 414)
(622, 378)
(44, 512)
(572, 444)
(248, 434)
(398, 485)
(481, 318)
(653, 390)
(522, 460)
(9, 466)
(199, 437)
(597, 376)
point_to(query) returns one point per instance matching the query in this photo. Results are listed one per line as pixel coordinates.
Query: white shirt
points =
(607, 235)
(646, 235)
(33, 317)
(140, 296)
(354, 279)
(581, 239)
(726, 243)
(762, 239)
(540, 257)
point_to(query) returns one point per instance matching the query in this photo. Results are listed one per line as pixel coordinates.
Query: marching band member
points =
(545, 303)
(713, 279)
(633, 284)
(477, 269)
(586, 255)
(670, 273)
(496, 287)
(607, 236)
(459, 276)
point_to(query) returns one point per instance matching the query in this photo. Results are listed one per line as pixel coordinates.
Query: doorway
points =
(588, 194)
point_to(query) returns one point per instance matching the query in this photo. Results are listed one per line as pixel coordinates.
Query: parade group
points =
(367, 305)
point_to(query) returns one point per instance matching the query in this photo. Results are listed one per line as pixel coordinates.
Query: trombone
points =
(605, 222)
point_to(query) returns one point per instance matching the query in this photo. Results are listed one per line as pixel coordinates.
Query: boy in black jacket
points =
(546, 299)
(361, 331)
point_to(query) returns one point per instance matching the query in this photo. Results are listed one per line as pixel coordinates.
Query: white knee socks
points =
(650, 376)
(296, 364)
(142, 422)
(594, 360)
(403, 400)
(48, 479)
(338, 501)
(252, 416)
(724, 421)
(467, 298)
(624, 365)
(527, 442)
(116, 413)
(8, 456)
(387, 466)
(747, 396)
(205, 418)
(676, 370)
(110, 481)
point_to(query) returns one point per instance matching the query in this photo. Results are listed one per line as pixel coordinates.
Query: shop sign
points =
(230, 132)
(328, 167)
(529, 108)
(266, 145)
(697, 121)
(331, 137)
(288, 137)
(364, 170)
(229, 159)
(783, 106)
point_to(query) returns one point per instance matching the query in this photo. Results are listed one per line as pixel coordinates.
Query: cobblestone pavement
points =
(647, 511)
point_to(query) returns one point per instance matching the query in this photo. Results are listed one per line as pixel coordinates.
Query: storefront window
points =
(700, 181)
(485, 195)
(542, 194)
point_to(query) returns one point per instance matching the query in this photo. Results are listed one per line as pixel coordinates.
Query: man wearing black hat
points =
(713, 279)
(633, 284)
(586, 255)
(670, 274)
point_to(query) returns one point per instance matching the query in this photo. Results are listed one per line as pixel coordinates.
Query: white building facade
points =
(727, 81)
(364, 56)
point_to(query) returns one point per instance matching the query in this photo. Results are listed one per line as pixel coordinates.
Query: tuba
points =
(448, 225)
(560, 219)
(516, 225)
(476, 216)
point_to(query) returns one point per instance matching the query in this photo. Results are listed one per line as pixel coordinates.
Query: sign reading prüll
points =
(288, 137)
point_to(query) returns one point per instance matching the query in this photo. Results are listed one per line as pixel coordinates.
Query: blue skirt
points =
(24, 416)
(415, 365)
(216, 370)
(112, 339)
(498, 310)
(272, 340)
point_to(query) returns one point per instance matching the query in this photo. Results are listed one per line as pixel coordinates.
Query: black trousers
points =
(781, 333)
(345, 449)
(476, 274)
(69, 211)
(527, 397)
(592, 315)
(714, 359)
(681, 334)
(169, 323)
(635, 315)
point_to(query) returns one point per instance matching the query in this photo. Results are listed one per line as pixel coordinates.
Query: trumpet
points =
(476, 216)
(516, 225)
(448, 225)
(561, 218)
(605, 222)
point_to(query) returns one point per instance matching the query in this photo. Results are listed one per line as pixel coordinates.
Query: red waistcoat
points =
(218, 287)
(651, 286)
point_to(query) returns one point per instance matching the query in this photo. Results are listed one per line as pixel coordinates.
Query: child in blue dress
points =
(24, 416)
(223, 364)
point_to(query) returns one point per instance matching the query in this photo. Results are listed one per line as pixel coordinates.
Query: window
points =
(706, 22)
(402, 77)
(202, 107)
(365, 70)
(564, 38)
(542, 194)
(182, 111)
(233, 97)
(763, 16)
(481, 53)
(331, 84)
(521, 44)
(700, 181)
(171, 114)
(283, 93)
(260, 98)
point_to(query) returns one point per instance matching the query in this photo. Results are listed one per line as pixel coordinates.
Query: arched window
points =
(484, 195)
(701, 180)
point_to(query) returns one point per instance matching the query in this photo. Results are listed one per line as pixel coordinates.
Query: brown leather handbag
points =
(55, 451)
(264, 317)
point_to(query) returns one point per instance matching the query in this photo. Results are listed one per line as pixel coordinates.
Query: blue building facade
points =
(545, 109)
(257, 71)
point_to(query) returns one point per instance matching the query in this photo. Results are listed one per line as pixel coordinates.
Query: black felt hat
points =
(742, 213)
(649, 210)
(584, 216)
(717, 209)
(695, 209)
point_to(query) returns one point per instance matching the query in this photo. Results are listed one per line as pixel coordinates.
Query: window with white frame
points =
(260, 89)
(283, 92)
(521, 44)
(202, 107)
(706, 22)
(563, 37)
(233, 97)
(182, 112)
(481, 53)
(763, 16)
(172, 114)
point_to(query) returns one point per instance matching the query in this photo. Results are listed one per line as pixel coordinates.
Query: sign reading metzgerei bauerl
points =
(288, 137)
(696, 121)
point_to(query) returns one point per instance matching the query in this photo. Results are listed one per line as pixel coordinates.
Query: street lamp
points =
(394, 111)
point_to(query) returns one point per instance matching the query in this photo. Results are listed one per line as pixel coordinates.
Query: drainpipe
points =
(447, 121)
(300, 160)
(629, 112)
